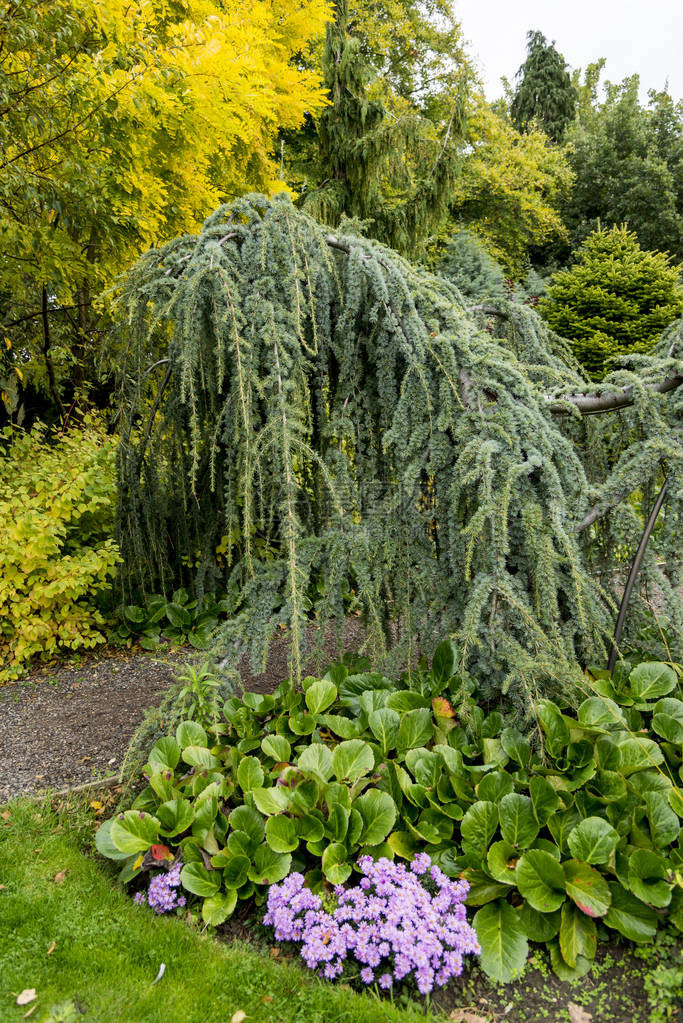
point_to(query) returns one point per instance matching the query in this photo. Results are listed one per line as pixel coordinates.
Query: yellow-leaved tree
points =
(124, 123)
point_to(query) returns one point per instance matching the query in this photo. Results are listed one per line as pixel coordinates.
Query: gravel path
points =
(70, 724)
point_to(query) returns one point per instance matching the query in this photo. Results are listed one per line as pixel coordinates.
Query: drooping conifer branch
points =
(338, 433)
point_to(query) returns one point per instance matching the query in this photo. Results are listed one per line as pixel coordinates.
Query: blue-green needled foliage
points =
(323, 427)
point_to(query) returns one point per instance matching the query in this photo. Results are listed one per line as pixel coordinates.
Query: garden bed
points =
(80, 942)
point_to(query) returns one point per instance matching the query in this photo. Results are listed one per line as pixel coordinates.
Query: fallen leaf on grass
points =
(274, 953)
(6, 815)
(267, 999)
(465, 1016)
(239, 1016)
(32, 1009)
(2, 887)
(59, 876)
(577, 1014)
(27, 995)
(50, 949)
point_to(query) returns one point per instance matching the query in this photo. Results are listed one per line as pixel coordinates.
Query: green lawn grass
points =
(107, 951)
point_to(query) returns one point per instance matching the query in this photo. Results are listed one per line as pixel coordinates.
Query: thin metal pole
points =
(635, 567)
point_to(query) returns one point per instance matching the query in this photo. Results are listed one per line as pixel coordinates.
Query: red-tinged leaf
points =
(442, 708)
(161, 852)
(588, 910)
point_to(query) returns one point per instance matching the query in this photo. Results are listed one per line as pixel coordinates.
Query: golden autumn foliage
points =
(124, 124)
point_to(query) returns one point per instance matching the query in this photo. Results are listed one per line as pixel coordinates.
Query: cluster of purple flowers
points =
(162, 894)
(391, 924)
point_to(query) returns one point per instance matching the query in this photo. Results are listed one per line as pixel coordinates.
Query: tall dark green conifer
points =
(544, 92)
(387, 151)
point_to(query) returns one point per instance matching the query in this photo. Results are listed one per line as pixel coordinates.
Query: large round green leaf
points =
(250, 774)
(416, 729)
(650, 680)
(518, 824)
(647, 878)
(664, 824)
(630, 916)
(164, 755)
(317, 758)
(516, 746)
(269, 867)
(352, 760)
(201, 757)
(235, 871)
(478, 826)
(554, 726)
(281, 834)
(494, 785)
(502, 860)
(271, 800)
(134, 831)
(504, 947)
(539, 926)
(593, 841)
(217, 908)
(540, 880)
(384, 725)
(587, 888)
(334, 863)
(544, 799)
(190, 733)
(321, 695)
(378, 811)
(197, 879)
(599, 712)
(276, 747)
(176, 816)
(105, 845)
(246, 819)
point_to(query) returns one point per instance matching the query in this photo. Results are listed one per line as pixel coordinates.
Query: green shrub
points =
(615, 300)
(310, 780)
(180, 620)
(57, 502)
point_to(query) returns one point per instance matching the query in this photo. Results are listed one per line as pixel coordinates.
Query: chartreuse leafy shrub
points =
(57, 555)
(558, 846)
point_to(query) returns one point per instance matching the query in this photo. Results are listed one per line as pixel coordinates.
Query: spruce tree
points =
(614, 301)
(315, 424)
(544, 93)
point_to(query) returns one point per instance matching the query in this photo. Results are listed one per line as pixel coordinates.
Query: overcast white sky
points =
(635, 36)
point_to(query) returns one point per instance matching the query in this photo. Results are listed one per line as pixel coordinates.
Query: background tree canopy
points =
(325, 426)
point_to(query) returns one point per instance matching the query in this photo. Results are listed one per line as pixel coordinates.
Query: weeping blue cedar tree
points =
(284, 383)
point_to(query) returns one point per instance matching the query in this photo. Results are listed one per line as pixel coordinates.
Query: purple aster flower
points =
(391, 924)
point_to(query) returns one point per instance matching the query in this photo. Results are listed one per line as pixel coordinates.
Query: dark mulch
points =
(70, 723)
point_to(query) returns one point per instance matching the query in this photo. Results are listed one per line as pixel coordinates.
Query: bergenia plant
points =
(398, 924)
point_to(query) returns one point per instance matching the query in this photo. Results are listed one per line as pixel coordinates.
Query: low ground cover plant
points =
(180, 619)
(561, 843)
